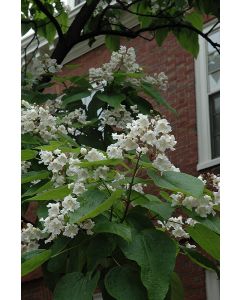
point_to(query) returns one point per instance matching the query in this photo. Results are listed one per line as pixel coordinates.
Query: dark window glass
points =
(214, 110)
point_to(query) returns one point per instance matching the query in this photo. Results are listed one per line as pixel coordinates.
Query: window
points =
(207, 75)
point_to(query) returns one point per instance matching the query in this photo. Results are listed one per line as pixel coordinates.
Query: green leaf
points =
(28, 154)
(124, 283)
(104, 162)
(100, 247)
(47, 31)
(201, 260)
(196, 19)
(188, 39)
(38, 188)
(154, 204)
(212, 222)
(52, 194)
(178, 182)
(113, 99)
(34, 262)
(155, 253)
(154, 93)
(112, 42)
(74, 98)
(34, 175)
(93, 203)
(176, 291)
(110, 227)
(206, 238)
(161, 35)
(76, 286)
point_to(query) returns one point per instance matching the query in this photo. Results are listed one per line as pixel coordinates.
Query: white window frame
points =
(202, 103)
(212, 286)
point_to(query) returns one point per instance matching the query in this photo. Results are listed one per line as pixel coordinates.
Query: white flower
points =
(190, 202)
(162, 126)
(149, 137)
(176, 199)
(25, 165)
(54, 209)
(101, 172)
(70, 230)
(191, 222)
(53, 225)
(179, 232)
(162, 163)
(83, 151)
(189, 246)
(114, 152)
(46, 157)
(94, 155)
(78, 188)
(88, 226)
(70, 204)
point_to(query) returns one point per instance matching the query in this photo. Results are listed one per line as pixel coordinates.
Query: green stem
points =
(130, 188)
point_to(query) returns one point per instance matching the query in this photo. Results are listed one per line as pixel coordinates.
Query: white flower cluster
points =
(118, 117)
(55, 224)
(38, 120)
(30, 237)
(25, 165)
(175, 226)
(125, 60)
(44, 65)
(145, 135)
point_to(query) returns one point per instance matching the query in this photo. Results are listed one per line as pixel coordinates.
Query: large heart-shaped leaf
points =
(116, 228)
(124, 283)
(76, 286)
(155, 253)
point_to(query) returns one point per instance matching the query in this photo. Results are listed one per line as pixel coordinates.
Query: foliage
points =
(156, 18)
(83, 152)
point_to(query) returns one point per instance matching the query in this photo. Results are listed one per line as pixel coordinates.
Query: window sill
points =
(208, 163)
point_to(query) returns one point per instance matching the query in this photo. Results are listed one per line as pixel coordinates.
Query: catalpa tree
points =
(92, 154)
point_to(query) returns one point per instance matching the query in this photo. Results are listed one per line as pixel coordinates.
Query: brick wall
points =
(179, 67)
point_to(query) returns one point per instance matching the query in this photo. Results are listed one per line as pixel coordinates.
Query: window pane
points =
(214, 109)
(213, 62)
(215, 37)
(214, 82)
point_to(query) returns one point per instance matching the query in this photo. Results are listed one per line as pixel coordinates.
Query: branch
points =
(133, 34)
(51, 18)
(72, 35)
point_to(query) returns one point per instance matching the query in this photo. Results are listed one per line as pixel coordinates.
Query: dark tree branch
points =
(133, 34)
(72, 35)
(41, 6)
(212, 28)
